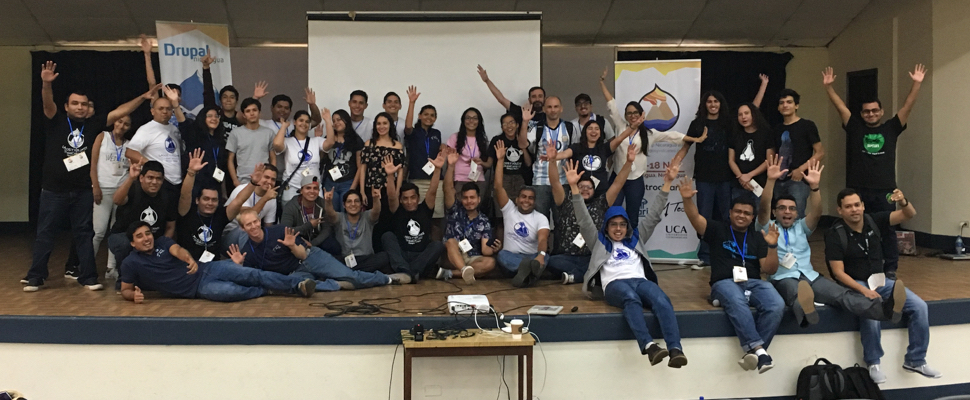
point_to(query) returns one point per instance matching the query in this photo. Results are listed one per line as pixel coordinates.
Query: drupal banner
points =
(669, 92)
(181, 45)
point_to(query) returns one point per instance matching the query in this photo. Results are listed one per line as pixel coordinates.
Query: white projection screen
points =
(437, 52)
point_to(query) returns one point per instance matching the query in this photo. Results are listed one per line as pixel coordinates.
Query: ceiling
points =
(811, 23)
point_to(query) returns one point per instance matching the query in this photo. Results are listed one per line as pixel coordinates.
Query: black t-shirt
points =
(711, 156)
(871, 162)
(213, 148)
(750, 151)
(344, 156)
(863, 255)
(594, 163)
(516, 110)
(156, 211)
(64, 138)
(161, 271)
(197, 233)
(514, 162)
(794, 143)
(413, 228)
(726, 254)
(421, 145)
(271, 255)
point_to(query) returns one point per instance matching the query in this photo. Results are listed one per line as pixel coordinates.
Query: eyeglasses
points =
(510, 123)
(789, 208)
(471, 118)
(621, 224)
(872, 111)
(632, 113)
(586, 187)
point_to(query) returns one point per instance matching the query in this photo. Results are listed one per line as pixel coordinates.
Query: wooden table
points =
(495, 343)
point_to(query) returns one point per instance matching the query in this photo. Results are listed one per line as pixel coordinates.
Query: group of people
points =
(225, 206)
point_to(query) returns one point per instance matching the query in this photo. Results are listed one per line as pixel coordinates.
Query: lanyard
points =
(467, 147)
(263, 256)
(785, 230)
(864, 249)
(306, 144)
(352, 233)
(80, 134)
(358, 126)
(467, 227)
(744, 241)
(306, 217)
(118, 150)
(427, 144)
(206, 233)
(254, 198)
(339, 149)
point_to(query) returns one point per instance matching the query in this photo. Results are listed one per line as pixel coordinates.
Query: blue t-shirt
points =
(421, 146)
(160, 271)
(270, 255)
(793, 240)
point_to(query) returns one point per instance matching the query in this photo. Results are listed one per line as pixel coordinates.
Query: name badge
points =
(877, 280)
(788, 261)
(351, 261)
(335, 173)
(473, 172)
(579, 241)
(206, 257)
(76, 161)
(119, 169)
(464, 245)
(428, 168)
(218, 174)
(756, 187)
(740, 274)
(306, 172)
(596, 182)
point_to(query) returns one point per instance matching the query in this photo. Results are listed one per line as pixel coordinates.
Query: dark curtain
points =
(109, 78)
(733, 73)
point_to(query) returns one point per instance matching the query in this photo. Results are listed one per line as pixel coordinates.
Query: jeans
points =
(339, 189)
(54, 208)
(753, 331)
(409, 262)
(875, 201)
(227, 281)
(544, 201)
(510, 261)
(573, 265)
(332, 246)
(631, 295)
(713, 202)
(321, 265)
(918, 322)
(632, 194)
(832, 294)
(798, 189)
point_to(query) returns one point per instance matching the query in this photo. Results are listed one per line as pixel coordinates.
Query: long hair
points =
(480, 139)
(219, 133)
(757, 119)
(351, 138)
(391, 132)
(585, 127)
(723, 118)
(426, 107)
(642, 130)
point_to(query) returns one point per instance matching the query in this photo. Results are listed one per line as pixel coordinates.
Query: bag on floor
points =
(861, 385)
(821, 381)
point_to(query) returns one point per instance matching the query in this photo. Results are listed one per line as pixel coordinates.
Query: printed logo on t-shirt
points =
(873, 143)
(513, 159)
(203, 235)
(305, 156)
(730, 246)
(149, 216)
(621, 254)
(748, 153)
(169, 145)
(75, 139)
(342, 161)
(592, 163)
(414, 233)
(159, 252)
(521, 229)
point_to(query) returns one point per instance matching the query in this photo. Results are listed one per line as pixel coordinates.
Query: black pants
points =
(410, 262)
(875, 201)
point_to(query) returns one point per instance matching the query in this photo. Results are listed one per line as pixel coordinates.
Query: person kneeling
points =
(161, 265)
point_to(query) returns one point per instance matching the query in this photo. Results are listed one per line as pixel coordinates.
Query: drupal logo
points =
(521, 229)
(191, 52)
(622, 254)
(169, 145)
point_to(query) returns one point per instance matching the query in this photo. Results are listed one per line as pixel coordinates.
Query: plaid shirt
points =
(459, 227)
(540, 169)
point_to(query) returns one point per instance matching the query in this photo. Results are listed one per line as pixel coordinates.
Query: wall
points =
(15, 136)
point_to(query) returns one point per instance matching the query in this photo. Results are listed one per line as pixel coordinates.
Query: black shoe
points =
(307, 287)
(72, 272)
(522, 274)
(764, 363)
(891, 275)
(655, 353)
(894, 304)
(677, 358)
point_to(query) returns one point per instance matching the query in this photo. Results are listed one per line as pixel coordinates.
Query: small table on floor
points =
(495, 343)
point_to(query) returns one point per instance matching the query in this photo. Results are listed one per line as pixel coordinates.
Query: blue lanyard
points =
(467, 147)
(744, 241)
(787, 246)
(263, 256)
(215, 154)
(81, 132)
(339, 149)
(306, 144)
(468, 226)
(427, 144)
(353, 233)
(358, 126)
(118, 150)
(205, 234)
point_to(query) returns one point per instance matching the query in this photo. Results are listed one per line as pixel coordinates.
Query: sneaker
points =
(877, 375)
(894, 305)
(891, 275)
(924, 370)
(307, 287)
(72, 273)
(700, 265)
(344, 285)
(111, 274)
(677, 358)
(400, 278)
(24, 281)
(806, 300)
(522, 274)
(94, 287)
(444, 274)
(33, 285)
(568, 278)
(537, 268)
(468, 274)
(764, 363)
(749, 362)
(655, 353)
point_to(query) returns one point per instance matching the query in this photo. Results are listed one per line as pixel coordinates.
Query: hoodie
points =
(602, 247)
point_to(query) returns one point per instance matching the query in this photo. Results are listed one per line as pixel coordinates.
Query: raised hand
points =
(328, 194)
(135, 168)
(139, 296)
(670, 174)
(151, 93)
(573, 173)
(551, 152)
(47, 74)
(257, 174)
(289, 237)
(235, 255)
(207, 60)
(195, 161)
(764, 78)
(375, 193)
(814, 175)
(605, 72)
(527, 113)
(500, 150)
(771, 236)
(260, 90)
(327, 117)
(389, 166)
(918, 74)
(897, 196)
(439, 161)
(310, 97)
(774, 167)
(413, 94)
(453, 157)
(828, 76)
(482, 74)
(146, 45)
(686, 188)
(631, 153)
(171, 95)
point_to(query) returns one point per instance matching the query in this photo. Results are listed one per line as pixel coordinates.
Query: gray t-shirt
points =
(356, 238)
(251, 147)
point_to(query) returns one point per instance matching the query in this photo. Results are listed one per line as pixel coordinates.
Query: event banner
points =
(180, 47)
(669, 92)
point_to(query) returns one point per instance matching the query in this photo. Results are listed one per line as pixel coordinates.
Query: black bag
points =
(821, 382)
(861, 385)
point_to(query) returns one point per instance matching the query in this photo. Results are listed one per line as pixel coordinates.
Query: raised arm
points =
(761, 90)
(279, 141)
(500, 195)
(208, 92)
(917, 76)
(375, 212)
(195, 165)
(659, 204)
(906, 210)
(687, 192)
(828, 77)
(311, 100)
(558, 193)
(491, 88)
(146, 49)
(621, 178)
(412, 101)
(450, 177)
(130, 106)
(814, 212)
(328, 206)
(173, 97)
(121, 194)
(586, 226)
(393, 194)
(260, 90)
(47, 76)
(606, 90)
(432, 195)
(774, 173)
(523, 135)
(235, 206)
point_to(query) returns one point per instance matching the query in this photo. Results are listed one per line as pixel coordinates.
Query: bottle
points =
(959, 245)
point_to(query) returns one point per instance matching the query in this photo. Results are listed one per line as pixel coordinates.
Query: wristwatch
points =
(542, 253)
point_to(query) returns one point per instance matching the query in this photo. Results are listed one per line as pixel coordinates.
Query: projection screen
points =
(437, 52)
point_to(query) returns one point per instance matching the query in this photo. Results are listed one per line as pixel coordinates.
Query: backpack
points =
(861, 384)
(830, 382)
(871, 223)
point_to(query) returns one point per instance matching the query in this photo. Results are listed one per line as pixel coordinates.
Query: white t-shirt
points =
(364, 128)
(640, 162)
(523, 237)
(624, 263)
(113, 165)
(268, 214)
(399, 126)
(160, 143)
(275, 126)
(291, 158)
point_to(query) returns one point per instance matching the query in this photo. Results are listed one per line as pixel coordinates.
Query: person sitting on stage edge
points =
(736, 268)
(620, 271)
(467, 231)
(526, 230)
(161, 265)
(409, 244)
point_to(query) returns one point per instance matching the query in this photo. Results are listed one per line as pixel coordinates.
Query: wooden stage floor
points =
(931, 278)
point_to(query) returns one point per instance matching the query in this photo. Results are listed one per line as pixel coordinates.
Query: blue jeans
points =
(798, 189)
(321, 265)
(632, 195)
(713, 202)
(227, 281)
(510, 261)
(753, 331)
(544, 201)
(573, 265)
(918, 322)
(53, 210)
(339, 189)
(631, 295)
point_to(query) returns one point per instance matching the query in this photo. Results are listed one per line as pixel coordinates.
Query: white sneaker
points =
(468, 274)
(443, 274)
(31, 288)
(567, 278)
(924, 370)
(876, 374)
(111, 274)
(94, 287)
